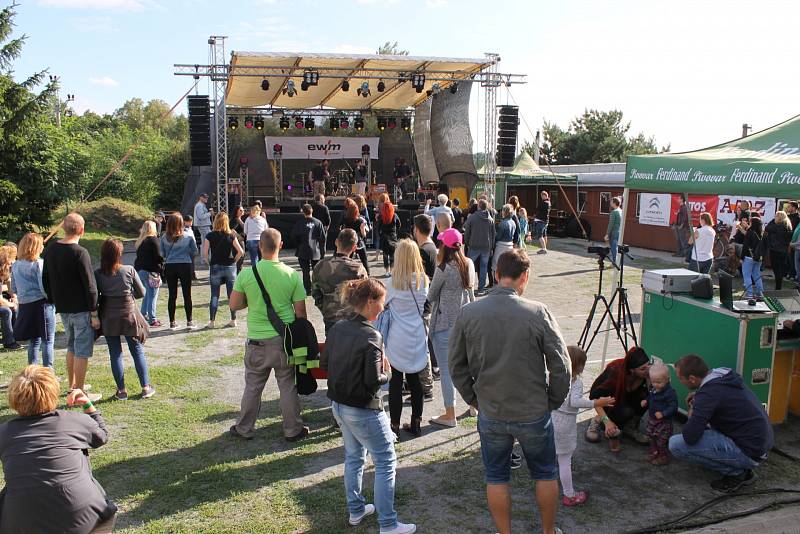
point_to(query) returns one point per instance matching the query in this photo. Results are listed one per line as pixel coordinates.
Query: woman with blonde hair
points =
(8, 301)
(703, 250)
(407, 339)
(36, 319)
(149, 265)
(179, 251)
(778, 234)
(253, 227)
(225, 254)
(49, 485)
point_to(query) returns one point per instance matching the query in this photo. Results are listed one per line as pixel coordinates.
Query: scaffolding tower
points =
(219, 81)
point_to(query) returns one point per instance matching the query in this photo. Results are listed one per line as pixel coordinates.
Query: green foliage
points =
(113, 215)
(594, 137)
(391, 48)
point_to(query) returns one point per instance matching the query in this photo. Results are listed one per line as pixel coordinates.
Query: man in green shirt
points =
(612, 232)
(264, 350)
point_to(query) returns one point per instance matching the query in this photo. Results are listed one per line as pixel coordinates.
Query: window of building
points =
(605, 203)
(582, 199)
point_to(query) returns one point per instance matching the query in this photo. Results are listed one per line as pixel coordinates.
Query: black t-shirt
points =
(428, 252)
(458, 218)
(361, 174)
(68, 278)
(321, 213)
(221, 245)
(354, 225)
(317, 174)
(543, 211)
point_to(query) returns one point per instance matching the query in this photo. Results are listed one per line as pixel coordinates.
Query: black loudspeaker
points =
(507, 126)
(289, 207)
(199, 130)
(411, 205)
(337, 205)
(725, 289)
(702, 287)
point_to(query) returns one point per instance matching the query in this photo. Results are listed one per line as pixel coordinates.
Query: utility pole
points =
(54, 80)
(746, 129)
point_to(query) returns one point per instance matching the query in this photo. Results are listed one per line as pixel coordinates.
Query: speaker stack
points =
(507, 126)
(199, 130)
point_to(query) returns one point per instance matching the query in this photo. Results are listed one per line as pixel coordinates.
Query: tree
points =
(594, 137)
(391, 48)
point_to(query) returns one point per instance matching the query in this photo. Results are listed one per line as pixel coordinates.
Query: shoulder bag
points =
(299, 343)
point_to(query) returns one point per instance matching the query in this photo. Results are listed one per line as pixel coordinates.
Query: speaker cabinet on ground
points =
(507, 126)
(199, 130)
(290, 206)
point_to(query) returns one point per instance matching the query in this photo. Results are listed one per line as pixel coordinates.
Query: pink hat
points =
(451, 238)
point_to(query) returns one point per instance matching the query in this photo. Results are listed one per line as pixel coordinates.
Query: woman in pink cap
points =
(451, 288)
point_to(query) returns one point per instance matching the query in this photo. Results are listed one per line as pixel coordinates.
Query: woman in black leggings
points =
(352, 219)
(179, 251)
(388, 225)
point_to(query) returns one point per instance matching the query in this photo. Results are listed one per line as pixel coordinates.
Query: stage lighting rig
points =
(298, 123)
(259, 123)
(265, 85)
(277, 148)
(381, 124)
(284, 123)
(391, 123)
(381, 86)
(233, 123)
(363, 90)
(358, 124)
(418, 81)
(311, 77)
(344, 123)
(248, 123)
(345, 86)
(304, 85)
(309, 123)
(334, 124)
(290, 90)
(405, 123)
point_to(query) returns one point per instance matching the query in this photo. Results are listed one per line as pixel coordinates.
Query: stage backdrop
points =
(315, 148)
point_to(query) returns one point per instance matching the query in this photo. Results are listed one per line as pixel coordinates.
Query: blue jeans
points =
(751, 272)
(139, 361)
(481, 260)
(536, 438)
(368, 431)
(49, 341)
(7, 325)
(252, 249)
(440, 341)
(797, 264)
(221, 274)
(714, 451)
(613, 241)
(150, 297)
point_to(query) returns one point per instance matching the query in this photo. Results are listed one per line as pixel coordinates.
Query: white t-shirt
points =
(253, 227)
(704, 244)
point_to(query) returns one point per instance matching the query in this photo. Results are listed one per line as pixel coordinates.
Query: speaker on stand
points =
(507, 126)
(199, 130)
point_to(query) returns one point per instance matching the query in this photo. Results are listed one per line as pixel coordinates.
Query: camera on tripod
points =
(602, 251)
(623, 249)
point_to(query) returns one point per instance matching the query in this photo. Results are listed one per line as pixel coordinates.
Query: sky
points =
(689, 73)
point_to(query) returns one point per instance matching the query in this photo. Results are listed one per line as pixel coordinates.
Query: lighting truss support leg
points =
(491, 83)
(219, 80)
(244, 184)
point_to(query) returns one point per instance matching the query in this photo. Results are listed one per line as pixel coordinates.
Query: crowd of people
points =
(432, 317)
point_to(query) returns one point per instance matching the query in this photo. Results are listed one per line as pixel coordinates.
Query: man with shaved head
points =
(69, 284)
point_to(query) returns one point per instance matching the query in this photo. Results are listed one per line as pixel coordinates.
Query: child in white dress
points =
(565, 421)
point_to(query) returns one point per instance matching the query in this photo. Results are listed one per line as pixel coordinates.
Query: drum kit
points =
(338, 183)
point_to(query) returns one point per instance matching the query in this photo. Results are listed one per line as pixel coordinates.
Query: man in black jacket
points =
(309, 234)
(323, 214)
(727, 431)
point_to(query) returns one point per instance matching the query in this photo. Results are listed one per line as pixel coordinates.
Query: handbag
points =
(299, 343)
(154, 280)
(419, 310)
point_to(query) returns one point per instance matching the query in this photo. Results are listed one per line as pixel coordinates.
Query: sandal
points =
(443, 421)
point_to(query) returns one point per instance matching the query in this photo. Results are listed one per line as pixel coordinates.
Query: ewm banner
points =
(322, 147)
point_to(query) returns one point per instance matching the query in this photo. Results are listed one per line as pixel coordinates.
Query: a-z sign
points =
(765, 207)
(697, 204)
(654, 208)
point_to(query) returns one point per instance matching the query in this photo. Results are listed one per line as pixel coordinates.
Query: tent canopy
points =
(527, 172)
(245, 91)
(764, 164)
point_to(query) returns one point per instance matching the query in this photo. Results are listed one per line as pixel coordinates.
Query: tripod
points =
(622, 324)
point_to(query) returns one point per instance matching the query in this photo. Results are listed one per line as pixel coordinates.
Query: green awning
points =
(527, 172)
(765, 164)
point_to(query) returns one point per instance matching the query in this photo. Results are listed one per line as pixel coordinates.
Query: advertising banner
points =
(655, 208)
(765, 207)
(318, 147)
(697, 204)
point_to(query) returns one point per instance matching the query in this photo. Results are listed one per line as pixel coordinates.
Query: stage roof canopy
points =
(527, 172)
(248, 69)
(765, 164)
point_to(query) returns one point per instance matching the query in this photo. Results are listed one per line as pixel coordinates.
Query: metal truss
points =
(271, 112)
(219, 80)
(493, 80)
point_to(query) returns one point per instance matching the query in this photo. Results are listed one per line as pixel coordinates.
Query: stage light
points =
(358, 124)
(233, 123)
(304, 85)
(298, 123)
(265, 85)
(418, 81)
(405, 123)
(248, 123)
(259, 123)
(345, 86)
(311, 77)
(365, 149)
(284, 123)
(391, 123)
(277, 148)
(290, 89)
(334, 123)
(309, 124)
(344, 124)
(381, 123)
(454, 88)
(363, 90)
(381, 86)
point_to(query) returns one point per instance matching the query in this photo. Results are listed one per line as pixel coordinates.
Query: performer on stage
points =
(402, 175)
(360, 176)
(318, 176)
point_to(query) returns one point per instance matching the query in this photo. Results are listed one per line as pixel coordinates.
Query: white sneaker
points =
(401, 528)
(94, 397)
(369, 509)
(231, 323)
(210, 325)
(190, 325)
